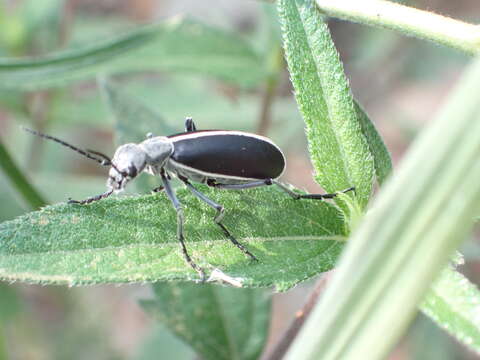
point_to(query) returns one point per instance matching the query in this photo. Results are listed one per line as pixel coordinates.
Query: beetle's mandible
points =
(221, 159)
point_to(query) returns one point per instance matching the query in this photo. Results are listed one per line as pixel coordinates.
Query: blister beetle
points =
(222, 159)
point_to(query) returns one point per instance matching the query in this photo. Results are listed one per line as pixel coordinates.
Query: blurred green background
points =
(400, 81)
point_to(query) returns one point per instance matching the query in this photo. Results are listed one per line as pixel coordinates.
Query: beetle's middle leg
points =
(218, 218)
(180, 220)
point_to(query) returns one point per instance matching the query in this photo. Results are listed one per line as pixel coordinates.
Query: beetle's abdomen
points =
(229, 153)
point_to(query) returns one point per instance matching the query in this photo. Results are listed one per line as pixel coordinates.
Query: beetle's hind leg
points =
(285, 188)
(180, 221)
(298, 196)
(189, 125)
(218, 218)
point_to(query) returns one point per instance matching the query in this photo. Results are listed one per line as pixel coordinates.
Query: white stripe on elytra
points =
(222, 132)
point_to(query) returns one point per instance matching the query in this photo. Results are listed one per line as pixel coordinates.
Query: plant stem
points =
(271, 84)
(278, 352)
(19, 181)
(407, 20)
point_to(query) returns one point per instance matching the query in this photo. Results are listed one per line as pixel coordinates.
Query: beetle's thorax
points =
(158, 149)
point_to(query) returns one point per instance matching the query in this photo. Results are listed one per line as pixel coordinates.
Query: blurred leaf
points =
(427, 341)
(381, 156)
(10, 304)
(133, 119)
(161, 341)
(168, 46)
(339, 151)
(19, 181)
(454, 303)
(41, 20)
(229, 323)
(404, 241)
(133, 239)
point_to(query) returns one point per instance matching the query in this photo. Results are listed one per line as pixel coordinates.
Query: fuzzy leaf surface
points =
(217, 321)
(381, 156)
(454, 303)
(339, 151)
(133, 239)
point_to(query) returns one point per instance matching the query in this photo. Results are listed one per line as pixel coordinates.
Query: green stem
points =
(275, 68)
(407, 20)
(19, 181)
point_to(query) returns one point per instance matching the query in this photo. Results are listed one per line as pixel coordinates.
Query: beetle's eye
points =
(132, 171)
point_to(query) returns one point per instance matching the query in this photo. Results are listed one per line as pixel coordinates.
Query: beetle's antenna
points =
(100, 158)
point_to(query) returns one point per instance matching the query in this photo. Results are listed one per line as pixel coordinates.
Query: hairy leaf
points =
(218, 322)
(338, 148)
(405, 240)
(381, 157)
(133, 239)
(453, 303)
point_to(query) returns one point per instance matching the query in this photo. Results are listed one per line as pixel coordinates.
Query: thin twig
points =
(269, 93)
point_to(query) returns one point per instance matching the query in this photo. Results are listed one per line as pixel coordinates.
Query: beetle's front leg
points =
(92, 199)
(180, 221)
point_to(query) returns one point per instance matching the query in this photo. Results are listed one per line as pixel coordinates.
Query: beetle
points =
(222, 159)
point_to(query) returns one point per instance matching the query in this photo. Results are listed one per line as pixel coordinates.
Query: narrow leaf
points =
(133, 239)
(339, 151)
(176, 45)
(381, 156)
(30, 195)
(417, 221)
(218, 322)
(453, 303)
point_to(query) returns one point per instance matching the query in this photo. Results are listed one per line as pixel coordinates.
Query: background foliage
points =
(227, 72)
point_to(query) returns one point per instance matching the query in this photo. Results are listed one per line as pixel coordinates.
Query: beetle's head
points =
(128, 161)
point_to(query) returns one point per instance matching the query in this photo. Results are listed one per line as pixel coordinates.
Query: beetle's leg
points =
(92, 199)
(218, 218)
(189, 125)
(180, 220)
(158, 189)
(285, 188)
(248, 185)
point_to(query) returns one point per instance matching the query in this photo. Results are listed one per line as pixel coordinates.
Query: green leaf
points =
(176, 45)
(418, 219)
(381, 157)
(133, 119)
(453, 303)
(218, 322)
(133, 239)
(19, 180)
(161, 341)
(338, 148)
